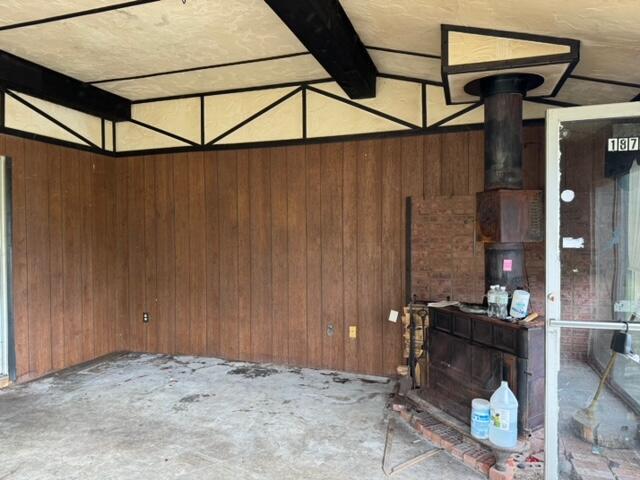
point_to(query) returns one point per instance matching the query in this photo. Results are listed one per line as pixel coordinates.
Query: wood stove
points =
(470, 354)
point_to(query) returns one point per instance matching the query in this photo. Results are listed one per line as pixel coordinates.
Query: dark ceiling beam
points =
(27, 77)
(325, 30)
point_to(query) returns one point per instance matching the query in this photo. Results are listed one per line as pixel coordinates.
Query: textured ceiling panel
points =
(475, 115)
(398, 98)
(328, 117)
(407, 65)
(154, 37)
(170, 35)
(293, 69)
(437, 108)
(283, 122)
(473, 48)
(181, 117)
(582, 92)
(134, 137)
(18, 11)
(88, 126)
(21, 117)
(223, 112)
(608, 30)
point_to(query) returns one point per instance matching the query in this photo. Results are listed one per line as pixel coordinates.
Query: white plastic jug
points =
(503, 429)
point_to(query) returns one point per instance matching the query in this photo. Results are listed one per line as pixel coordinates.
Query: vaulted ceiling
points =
(159, 48)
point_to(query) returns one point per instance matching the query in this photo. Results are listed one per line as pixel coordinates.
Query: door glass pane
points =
(601, 445)
(600, 281)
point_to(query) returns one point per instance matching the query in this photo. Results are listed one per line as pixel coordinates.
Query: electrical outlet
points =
(353, 331)
(146, 317)
(330, 330)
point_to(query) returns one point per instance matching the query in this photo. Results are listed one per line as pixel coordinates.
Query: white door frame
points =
(5, 278)
(554, 322)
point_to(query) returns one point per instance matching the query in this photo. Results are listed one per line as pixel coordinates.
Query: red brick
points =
(450, 440)
(459, 450)
(484, 463)
(495, 474)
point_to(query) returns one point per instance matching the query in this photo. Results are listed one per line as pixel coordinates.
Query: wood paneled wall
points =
(244, 254)
(67, 274)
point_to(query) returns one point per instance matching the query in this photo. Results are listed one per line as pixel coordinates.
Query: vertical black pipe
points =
(503, 96)
(503, 141)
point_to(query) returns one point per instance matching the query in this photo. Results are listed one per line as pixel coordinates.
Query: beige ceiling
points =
(169, 35)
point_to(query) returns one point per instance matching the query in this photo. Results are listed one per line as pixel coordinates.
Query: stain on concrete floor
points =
(161, 417)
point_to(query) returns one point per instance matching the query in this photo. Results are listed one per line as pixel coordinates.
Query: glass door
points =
(592, 427)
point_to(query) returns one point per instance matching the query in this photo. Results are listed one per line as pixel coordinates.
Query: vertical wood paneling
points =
(86, 246)
(244, 257)
(457, 151)
(350, 253)
(412, 166)
(38, 258)
(150, 236)
(279, 248)
(476, 161)
(228, 200)
(197, 251)
(136, 224)
(297, 255)
(183, 297)
(261, 281)
(331, 253)
(166, 260)
(392, 250)
(101, 262)
(15, 148)
(213, 328)
(72, 259)
(56, 258)
(315, 332)
(432, 166)
(245, 254)
(369, 256)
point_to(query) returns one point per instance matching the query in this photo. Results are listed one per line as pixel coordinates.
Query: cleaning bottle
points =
(503, 429)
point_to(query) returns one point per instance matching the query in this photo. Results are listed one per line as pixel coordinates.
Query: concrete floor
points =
(159, 417)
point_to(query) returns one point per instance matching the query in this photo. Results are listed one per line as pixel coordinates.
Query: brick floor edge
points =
(460, 446)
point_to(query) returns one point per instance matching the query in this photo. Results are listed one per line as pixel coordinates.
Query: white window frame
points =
(554, 323)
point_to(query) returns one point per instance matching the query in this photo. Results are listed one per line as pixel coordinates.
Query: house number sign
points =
(623, 144)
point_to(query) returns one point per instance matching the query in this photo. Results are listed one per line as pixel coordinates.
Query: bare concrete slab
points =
(160, 417)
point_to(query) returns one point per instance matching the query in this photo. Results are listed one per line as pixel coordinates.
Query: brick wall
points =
(448, 262)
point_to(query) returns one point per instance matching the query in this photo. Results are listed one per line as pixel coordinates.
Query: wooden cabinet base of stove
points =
(461, 367)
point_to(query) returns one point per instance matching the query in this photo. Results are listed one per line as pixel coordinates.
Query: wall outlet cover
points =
(353, 331)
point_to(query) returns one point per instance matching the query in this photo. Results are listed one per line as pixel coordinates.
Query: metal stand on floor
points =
(404, 465)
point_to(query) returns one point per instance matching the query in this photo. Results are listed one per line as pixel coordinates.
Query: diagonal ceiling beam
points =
(27, 77)
(325, 30)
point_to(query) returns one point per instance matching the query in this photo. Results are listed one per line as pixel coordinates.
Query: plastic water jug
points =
(480, 418)
(503, 429)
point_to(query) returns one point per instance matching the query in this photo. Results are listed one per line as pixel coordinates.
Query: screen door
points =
(592, 406)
